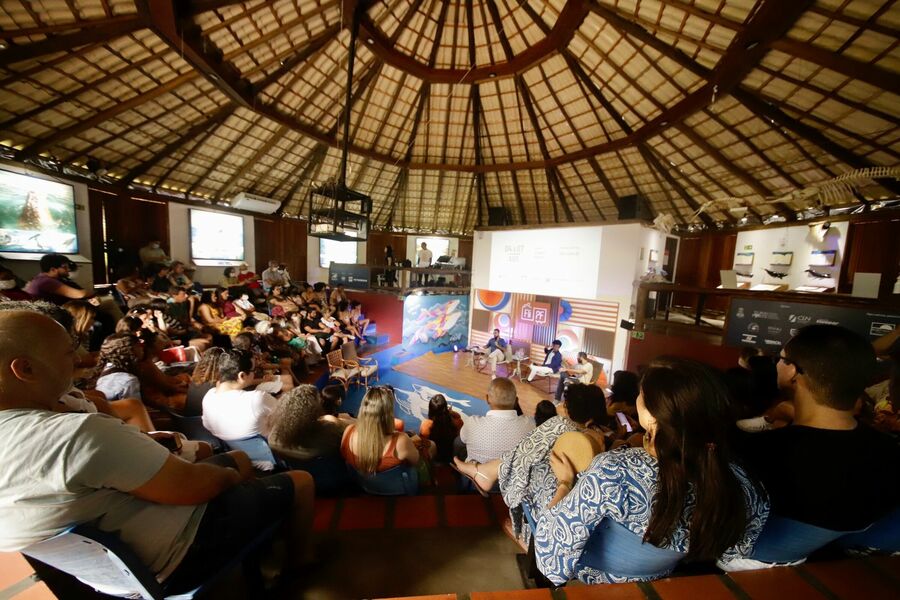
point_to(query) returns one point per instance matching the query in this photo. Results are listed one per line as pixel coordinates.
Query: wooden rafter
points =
(315, 157)
(212, 121)
(570, 18)
(607, 185)
(654, 163)
(288, 64)
(775, 115)
(481, 190)
(264, 148)
(64, 42)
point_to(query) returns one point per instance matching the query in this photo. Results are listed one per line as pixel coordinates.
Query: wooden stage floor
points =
(449, 370)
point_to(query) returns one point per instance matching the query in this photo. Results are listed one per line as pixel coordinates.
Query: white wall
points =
(180, 242)
(624, 258)
(315, 273)
(26, 269)
(797, 239)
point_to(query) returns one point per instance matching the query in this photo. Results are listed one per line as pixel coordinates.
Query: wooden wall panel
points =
(283, 240)
(130, 224)
(873, 246)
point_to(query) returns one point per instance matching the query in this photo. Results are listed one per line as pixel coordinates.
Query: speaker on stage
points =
(498, 216)
(635, 207)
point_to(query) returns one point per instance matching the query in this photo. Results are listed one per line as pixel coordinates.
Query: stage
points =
(450, 370)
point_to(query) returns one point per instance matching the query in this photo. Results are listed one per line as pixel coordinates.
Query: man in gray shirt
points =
(62, 469)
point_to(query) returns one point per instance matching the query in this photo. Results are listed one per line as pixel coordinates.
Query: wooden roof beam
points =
(779, 118)
(570, 18)
(315, 157)
(300, 57)
(607, 185)
(655, 164)
(481, 189)
(196, 129)
(92, 34)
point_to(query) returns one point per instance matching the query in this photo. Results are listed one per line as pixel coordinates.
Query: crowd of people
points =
(689, 460)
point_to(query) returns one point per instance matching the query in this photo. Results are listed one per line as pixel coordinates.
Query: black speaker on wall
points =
(498, 216)
(635, 207)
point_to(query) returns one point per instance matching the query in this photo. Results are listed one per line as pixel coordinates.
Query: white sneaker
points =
(754, 425)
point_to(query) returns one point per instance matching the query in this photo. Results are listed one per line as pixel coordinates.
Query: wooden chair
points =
(367, 367)
(340, 372)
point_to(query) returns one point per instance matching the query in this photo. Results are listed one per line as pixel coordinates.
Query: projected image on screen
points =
(335, 251)
(216, 236)
(36, 215)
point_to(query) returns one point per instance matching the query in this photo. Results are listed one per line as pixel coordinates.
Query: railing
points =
(684, 310)
(401, 280)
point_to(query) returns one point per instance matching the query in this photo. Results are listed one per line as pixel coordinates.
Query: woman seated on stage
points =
(526, 473)
(681, 492)
(372, 445)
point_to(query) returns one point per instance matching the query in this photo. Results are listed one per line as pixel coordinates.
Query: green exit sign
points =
(637, 335)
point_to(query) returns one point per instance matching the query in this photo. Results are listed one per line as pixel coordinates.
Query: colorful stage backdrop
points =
(581, 325)
(435, 323)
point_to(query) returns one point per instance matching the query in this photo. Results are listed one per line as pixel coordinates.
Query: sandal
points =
(474, 479)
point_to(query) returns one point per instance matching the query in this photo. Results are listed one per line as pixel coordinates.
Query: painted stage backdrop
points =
(435, 323)
(531, 322)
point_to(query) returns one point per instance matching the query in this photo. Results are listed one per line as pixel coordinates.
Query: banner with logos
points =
(769, 324)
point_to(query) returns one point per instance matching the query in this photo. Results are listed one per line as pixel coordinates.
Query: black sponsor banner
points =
(769, 324)
(354, 277)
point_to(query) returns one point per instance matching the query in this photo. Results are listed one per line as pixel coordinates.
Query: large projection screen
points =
(341, 252)
(216, 238)
(36, 215)
(550, 262)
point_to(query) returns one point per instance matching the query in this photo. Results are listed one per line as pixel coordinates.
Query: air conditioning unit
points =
(254, 203)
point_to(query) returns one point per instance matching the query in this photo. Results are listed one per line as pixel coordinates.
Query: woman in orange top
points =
(441, 427)
(371, 445)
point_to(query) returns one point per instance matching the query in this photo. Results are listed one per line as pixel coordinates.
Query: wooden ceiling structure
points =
(556, 110)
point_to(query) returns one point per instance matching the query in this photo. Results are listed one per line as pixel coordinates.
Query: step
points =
(377, 340)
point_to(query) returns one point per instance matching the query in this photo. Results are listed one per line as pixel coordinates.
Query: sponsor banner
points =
(352, 277)
(769, 324)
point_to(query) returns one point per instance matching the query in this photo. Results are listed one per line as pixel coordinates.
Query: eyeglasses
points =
(789, 362)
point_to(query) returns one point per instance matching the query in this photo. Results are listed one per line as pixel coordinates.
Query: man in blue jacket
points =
(496, 351)
(552, 362)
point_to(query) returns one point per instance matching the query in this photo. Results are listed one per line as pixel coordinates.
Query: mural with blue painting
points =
(435, 323)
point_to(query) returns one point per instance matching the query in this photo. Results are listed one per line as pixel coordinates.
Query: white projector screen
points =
(551, 262)
(216, 238)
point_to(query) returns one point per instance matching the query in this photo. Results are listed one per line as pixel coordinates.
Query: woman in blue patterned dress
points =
(681, 492)
(525, 473)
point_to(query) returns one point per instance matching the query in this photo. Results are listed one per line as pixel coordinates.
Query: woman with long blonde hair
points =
(372, 445)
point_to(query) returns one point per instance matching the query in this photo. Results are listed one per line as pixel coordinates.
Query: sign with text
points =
(769, 324)
(354, 277)
(535, 312)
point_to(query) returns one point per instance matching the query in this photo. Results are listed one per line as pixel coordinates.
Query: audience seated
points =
(543, 412)
(230, 410)
(274, 275)
(182, 520)
(441, 427)
(681, 492)
(117, 367)
(526, 473)
(623, 394)
(229, 278)
(500, 430)
(372, 445)
(332, 398)
(279, 306)
(203, 379)
(298, 430)
(10, 288)
(338, 295)
(47, 284)
(210, 314)
(825, 455)
(157, 388)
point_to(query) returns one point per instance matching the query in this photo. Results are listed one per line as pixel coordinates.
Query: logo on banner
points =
(535, 312)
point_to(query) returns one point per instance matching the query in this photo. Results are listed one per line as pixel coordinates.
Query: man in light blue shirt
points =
(496, 351)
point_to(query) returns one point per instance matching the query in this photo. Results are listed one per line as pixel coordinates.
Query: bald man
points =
(183, 520)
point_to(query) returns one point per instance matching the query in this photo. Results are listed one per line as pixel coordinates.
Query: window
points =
(335, 251)
(439, 246)
(216, 238)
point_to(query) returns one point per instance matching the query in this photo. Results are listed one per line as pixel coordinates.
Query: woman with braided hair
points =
(117, 367)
